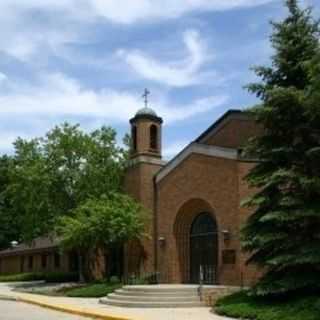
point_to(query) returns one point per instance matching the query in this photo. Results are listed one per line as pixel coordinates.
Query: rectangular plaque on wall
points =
(229, 256)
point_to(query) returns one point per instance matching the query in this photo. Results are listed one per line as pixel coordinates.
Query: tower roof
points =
(146, 111)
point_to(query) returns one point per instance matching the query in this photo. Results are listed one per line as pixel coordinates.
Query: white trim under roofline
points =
(145, 159)
(197, 148)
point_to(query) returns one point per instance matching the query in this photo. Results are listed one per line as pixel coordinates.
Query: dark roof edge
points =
(217, 122)
(169, 162)
(26, 251)
(41, 243)
(146, 117)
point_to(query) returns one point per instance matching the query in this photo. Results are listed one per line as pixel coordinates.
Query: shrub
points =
(61, 277)
(35, 276)
(114, 280)
(21, 277)
(243, 306)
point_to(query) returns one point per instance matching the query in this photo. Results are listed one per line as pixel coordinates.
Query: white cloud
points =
(3, 77)
(173, 149)
(31, 27)
(6, 141)
(184, 72)
(33, 109)
(196, 107)
(8, 138)
(125, 11)
(129, 11)
(58, 95)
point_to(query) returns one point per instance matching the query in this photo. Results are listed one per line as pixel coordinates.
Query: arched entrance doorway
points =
(203, 249)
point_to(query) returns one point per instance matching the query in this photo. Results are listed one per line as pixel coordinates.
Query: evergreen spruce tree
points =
(283, 233)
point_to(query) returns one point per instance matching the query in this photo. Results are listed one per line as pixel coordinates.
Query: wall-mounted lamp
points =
(226, 235)
(162, 241)
(14, 244)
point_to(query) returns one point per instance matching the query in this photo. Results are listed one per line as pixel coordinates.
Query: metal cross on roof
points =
(145, 96)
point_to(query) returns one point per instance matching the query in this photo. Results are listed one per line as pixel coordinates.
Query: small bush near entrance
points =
(46, 276)
(92, 290)
(242, 306)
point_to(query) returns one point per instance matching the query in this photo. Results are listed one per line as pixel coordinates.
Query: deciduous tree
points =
(101, 223)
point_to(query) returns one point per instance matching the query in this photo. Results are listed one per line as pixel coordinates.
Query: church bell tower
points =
(145, 161)
(146, 133)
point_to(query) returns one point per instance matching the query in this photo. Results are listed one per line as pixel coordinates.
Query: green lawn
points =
(92, 290)
(241, 306)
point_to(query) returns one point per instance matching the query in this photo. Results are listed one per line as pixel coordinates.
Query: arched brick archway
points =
(185, 218)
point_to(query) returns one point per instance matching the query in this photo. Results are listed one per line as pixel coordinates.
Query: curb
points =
(7, 298)
(64, 308)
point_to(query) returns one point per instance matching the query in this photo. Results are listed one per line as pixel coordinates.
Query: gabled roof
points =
(198, 146)
(39, 244)
(229, 115)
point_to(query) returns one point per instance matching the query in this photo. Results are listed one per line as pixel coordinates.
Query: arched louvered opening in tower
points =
(153, 137)
(134, 138)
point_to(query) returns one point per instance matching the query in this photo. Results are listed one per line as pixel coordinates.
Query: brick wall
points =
(199, 184)
(139, 256)
(21, 263)
(234, 133)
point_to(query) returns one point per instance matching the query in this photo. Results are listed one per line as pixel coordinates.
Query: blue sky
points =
(88, 62)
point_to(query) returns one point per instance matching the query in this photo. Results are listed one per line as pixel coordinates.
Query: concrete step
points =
(186, 294)
(150, 304)
(162, 298)
(155, 296)
(163, 288)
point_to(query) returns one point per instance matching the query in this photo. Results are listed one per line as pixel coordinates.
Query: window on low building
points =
(57, 260)
(44, 261)
(73, 262)
(30, 262)
(22, 264)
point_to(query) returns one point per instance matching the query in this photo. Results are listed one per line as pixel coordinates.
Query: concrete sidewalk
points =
(91, 308)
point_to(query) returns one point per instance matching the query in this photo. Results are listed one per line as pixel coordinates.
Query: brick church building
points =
(194, 207)
(194, 201)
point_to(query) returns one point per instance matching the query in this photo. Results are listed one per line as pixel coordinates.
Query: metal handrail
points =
(201, 278)
(142, 278)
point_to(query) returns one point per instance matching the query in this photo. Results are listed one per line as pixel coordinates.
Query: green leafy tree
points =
(9, 226)
(54, 175)
(101, 223)
(283, 233)
(28, 190)
(82, 165)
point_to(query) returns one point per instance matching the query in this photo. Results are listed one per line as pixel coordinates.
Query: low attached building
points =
(42, 255)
